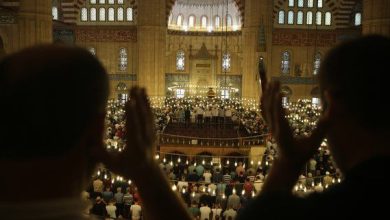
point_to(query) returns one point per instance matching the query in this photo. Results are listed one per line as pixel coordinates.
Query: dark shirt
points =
(364, 192)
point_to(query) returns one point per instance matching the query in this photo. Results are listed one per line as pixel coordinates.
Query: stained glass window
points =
(291, 3)
(129, 14)
(318, 18)
(358, 19)
(93, 14)
(319, 3)
(309, 17)
(120, 14)
(191, 21)
(84, 14)
(285, 64)
(54, 12)
(317, 63)
(281, 17)
(102, 1)
(92, 1)
(310, 3)
(180, 60)
(120, 1)
(204, 22)
(111, 14)
(111, 2)
(328, 18)
(300, 3)
(226, 62)
(122, 59)
(179, 20)
(290, 17)
(300, 17)
(102, 14)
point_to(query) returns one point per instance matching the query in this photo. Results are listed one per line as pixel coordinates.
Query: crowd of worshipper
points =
(220, 188)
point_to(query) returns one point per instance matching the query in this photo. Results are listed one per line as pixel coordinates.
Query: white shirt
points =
(207, 177)
(205, 212)
(111, 211)
(135, 211)
(216, 211)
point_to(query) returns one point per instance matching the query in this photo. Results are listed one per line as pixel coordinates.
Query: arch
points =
(300, 17)
(179, 20)
(92, 15)
(217, 22)
(319, 3)
(318, 18)
(84, 14)
(358, 19)
(291, 3)
(310, 3)
(309, 17)
(203, 21)
(328, 18)
(102, 14)
(300, 3)
(290, 17)
(129, 14)
(54, 12)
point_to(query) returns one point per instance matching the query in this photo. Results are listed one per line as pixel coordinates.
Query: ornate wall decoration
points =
(101, 34)
(304, 38)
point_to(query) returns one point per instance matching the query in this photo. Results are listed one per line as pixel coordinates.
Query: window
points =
(84, 14)
(111, 14)
(180, 93)
(217, 22)
(318, 18)
(281, 17)
(328, 18)
(92, 51)
(290, 17)
(54, 12)
(229, 20)
(120, 1)
(319, 3)
(111, 2)
(102, 1)
(179, 20)
(317, 63)
(225, 94)
(204, 22)
(93, 14)
(315, 101)
(120, 14)
(310, 3)
(180, 60)
(291, 3)
(300, 17)
(358, 19)
(285, 64)
(285, 101)
(300, 3)
(123, 97)
(92, 1)
(191, 21)
(226, 61)
(309, 17)
(102, 14)
(129, 13)
(122, 59)
(170, 19)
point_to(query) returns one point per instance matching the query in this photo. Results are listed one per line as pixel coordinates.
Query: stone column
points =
(376, 17)
(151, 37)
(34, 22)
(258, 15)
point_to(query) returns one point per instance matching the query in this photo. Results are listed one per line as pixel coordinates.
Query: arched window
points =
(317, 63)
(309, 17)
(229, 20)
(102, 1)
(281, 17)
(129, 14)
(111, 14)
(285, 64)
(319, 3)
(84, 14)
(120, 1)
(92, 1)
(358, 19)
(111, 2)
(328, 18)
(318, 18)
(120, 14)
(300, 17)
(226, 61)
(204, 22)
(54, 12)
(180, 60)
(291, 3)
(179, 20)
(93, 14)
(122, 59)
(300, 3)
(217, 22)
(92, 51)
(191, 21)
(102, 14)
(290, 17)
(310, 3)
